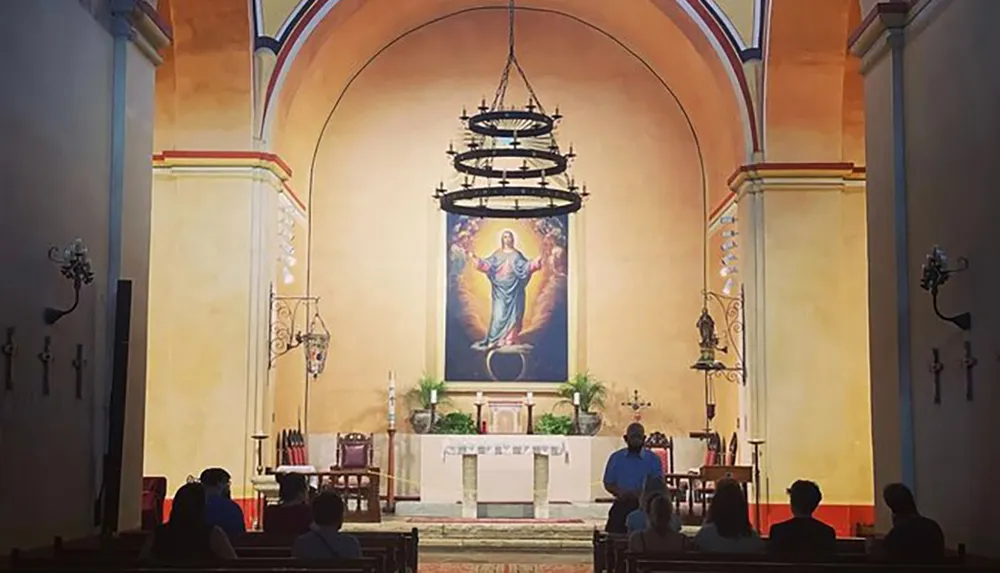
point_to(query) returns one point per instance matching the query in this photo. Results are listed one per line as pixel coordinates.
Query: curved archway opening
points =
(379, 153)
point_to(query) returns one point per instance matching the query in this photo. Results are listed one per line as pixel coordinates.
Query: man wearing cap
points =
(625, 474)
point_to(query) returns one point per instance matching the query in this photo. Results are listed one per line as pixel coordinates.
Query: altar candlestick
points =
(434, 396)
(576, 398)
(479, 398)
(392, 400)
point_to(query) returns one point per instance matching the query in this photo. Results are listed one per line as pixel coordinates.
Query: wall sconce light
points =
(934, 274)
(74, 264)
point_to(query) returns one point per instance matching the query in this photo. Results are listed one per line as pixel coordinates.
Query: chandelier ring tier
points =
(481, 163)
(512, 166)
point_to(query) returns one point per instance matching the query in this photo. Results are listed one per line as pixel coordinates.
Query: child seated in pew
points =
(187, 537)
(292, 515)
(728, 528)
(324, 540)
(652, 487)
(659, 536)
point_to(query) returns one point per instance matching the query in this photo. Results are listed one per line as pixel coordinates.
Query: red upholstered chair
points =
(663, 446)
(154, 492)
(356, 478)
(713, 457)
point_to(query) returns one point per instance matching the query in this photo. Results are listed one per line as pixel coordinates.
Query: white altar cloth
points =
(505, 476)
(503, 445)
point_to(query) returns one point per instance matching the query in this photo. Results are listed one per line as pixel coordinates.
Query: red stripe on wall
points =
(844, 518)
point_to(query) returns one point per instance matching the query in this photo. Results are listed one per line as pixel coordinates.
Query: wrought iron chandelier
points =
(512, 166)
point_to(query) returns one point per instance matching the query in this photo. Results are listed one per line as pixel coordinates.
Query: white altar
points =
(505, 468)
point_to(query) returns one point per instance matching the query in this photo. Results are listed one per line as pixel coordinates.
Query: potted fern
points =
(419, 399)
(592, 393)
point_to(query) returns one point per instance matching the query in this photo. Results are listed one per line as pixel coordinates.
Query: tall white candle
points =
(576, 398)
(531, 397)
(479, 398)
(434, 396)
(392, 400)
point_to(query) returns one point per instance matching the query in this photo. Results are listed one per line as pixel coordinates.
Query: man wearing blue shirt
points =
(220, 509)
(625, 474)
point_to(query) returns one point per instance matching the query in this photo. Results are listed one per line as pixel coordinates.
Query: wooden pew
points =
(365, 565)
(610, 551)
(695, 563)
(391, 552)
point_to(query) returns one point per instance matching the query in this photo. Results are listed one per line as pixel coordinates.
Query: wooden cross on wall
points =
(9, 349)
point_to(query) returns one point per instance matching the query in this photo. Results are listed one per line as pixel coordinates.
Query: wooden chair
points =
(663, 446)
(356, 478)
(154, 492)
(713, 457)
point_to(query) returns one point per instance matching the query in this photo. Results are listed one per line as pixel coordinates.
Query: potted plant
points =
(554, 425)
(592, 393)
(419, 398)
(455, 423)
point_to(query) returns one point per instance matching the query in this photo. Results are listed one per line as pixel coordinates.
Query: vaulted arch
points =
(813, 111)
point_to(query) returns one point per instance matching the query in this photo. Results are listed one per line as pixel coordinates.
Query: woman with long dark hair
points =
(187, 536)
(728, 529)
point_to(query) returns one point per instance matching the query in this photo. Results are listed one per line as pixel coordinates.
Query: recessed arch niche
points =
(377, 238)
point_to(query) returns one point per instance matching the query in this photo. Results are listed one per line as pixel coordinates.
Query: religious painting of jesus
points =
(507, 300)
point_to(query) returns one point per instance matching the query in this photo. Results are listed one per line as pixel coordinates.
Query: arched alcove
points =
(363, 116)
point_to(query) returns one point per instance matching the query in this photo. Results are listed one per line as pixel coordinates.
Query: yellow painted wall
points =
(197, 394)
(378, 237)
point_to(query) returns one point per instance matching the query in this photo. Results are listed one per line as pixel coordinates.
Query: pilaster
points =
(879, 43)
(802, 257)
(215, 261)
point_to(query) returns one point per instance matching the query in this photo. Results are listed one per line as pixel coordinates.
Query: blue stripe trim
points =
(722, 24)
(296, 17)
(267, 43)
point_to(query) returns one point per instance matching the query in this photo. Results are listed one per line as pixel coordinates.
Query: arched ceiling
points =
(813, 101)
(741, 21)
(672, 43)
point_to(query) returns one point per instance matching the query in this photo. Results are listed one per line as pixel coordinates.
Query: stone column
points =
(470, 486)
(540, 495)
(803, 260)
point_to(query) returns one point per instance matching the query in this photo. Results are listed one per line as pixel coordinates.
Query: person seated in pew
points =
(803, 534)
(636, 521)
(220, 509)
(659, 536)
(728, 529)
(292, 515)
(187, 536)
(625, 474)
(324, 540)
(913, 536)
